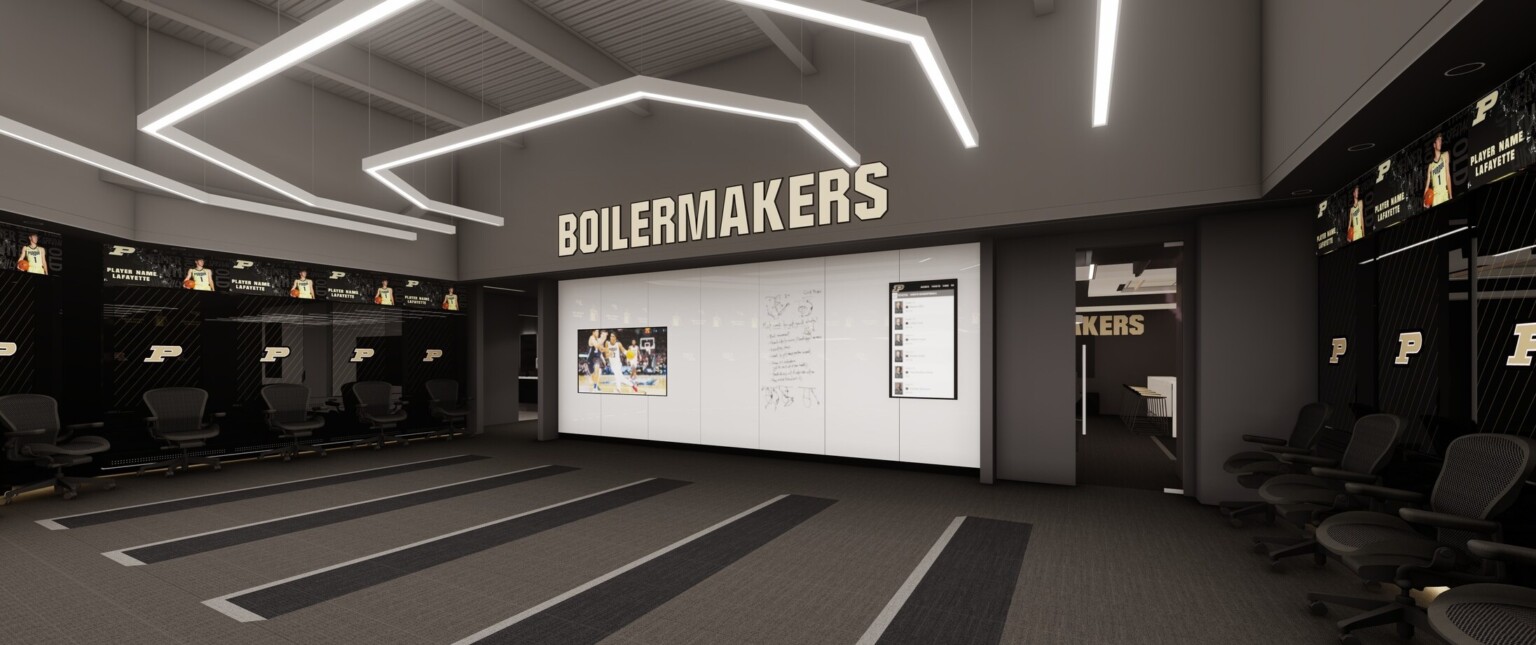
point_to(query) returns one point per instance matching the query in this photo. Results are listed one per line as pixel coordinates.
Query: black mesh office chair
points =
(1481, 478)
(289, 415)
(176, 418)
(1300, 499)
(1255, 467)
(376, 409)
(446, 406)
(33, 433)
(1487, 613)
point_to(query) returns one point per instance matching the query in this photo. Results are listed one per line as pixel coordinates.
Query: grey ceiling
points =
(652, 37)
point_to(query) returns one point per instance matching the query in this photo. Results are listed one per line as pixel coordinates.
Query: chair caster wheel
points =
(110, 485)
(1349, 639)
(1405, 631)
(170, 473)
(218, 467)
(1318, 608)
(70, 495)
(287, 457)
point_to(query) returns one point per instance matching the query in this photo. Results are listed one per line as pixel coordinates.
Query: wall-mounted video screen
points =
(923, 340)
(622, 360)
(33, 251)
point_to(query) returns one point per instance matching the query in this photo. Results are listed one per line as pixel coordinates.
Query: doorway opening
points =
(1129, 348)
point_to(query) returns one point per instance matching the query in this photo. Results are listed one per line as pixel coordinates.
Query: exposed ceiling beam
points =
(1045, 7)
(798, 53)
(250, 25)
(541, 37)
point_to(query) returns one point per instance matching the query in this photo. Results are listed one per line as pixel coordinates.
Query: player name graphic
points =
(836, 196)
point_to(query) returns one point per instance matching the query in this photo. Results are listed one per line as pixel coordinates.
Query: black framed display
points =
(622, 360)
(924, 343)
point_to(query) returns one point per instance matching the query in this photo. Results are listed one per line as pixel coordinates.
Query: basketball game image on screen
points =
(625, 360)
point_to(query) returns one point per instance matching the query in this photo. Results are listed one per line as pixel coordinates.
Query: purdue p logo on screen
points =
(158, 353)
(361, 354)
(432, 355)
(1339, 347)
(8, 349)
(271, 354)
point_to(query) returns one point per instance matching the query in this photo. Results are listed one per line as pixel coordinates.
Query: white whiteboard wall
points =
(788, 356)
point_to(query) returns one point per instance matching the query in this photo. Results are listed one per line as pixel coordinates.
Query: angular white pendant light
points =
(66, 148)
(629, 90)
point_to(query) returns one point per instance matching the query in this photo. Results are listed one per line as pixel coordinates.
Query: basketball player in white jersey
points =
(451, 301)
(385, 295)
(303, 288)
(34, 258)
(594, 358)
(199, 278)
(1356, 218)
(616, 363)
(1438, 183)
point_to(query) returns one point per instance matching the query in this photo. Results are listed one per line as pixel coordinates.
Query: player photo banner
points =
(1483, 143)
(132, 264)
(30, 250)
(622, 360)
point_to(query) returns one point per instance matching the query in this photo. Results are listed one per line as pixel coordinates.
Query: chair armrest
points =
(1343, 475)
(1271, 441)
(86, 426)
(24, 433)
(1502, 552)
(1308, 460)
(219, 415)
(1287, 450)
(1383, 492)
(1448, 521)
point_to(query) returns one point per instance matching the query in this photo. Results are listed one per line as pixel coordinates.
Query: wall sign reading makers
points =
(836, 196)
(923, 339)
(140, 265)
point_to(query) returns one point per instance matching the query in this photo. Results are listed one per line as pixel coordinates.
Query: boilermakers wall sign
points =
(836, 196)
(133, 264)
(1485, 142)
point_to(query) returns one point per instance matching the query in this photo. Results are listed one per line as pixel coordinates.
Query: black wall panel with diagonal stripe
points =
(98, 344)
(1463, 276)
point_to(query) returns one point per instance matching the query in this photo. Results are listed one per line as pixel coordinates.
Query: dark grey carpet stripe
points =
(597, 613)
(297, 594)
(965, 596)
(223, 539)
(117, 515)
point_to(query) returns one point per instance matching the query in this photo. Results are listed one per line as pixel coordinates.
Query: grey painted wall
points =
(1184, 130)
(85, 94)
(1256, 359)
(1324, 59)
(1035, 437)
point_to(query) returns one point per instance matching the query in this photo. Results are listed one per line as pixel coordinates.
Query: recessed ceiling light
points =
(1302, 191)
(1360, 146)
(1465, 68)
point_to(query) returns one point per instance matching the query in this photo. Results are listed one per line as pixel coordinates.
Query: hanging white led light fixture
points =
(335, 25)
(629, 90)
(890, 24)
(69, 149)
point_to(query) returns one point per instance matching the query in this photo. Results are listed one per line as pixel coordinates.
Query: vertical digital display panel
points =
(923, 342)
